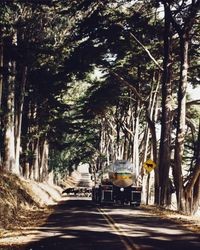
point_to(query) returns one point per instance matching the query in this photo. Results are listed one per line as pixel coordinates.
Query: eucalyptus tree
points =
(33, 42)
(108, 41)
(167, 111)
(113, 54)
(113, 36)
(10, 56)
(48, 48)
(47, 80)
(182, 17)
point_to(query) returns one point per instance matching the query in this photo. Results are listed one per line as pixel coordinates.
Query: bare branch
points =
(144, 48)
(193, 102)
(124, 82)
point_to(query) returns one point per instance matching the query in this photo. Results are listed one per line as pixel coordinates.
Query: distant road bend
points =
(77, 224)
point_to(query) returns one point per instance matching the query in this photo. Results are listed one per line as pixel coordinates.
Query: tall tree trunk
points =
(166, 121)
(18, 116)
(9, 136)
(1, 93)
(1, 68)
(180, 134)
(150, 148)
(36, 160)
(151, 117)
(184, 29)
(44, 153)
(136, 142)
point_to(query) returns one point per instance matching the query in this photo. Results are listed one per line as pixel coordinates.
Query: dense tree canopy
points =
(95, 81)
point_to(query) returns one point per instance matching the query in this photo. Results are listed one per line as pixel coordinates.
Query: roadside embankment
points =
(21, 199)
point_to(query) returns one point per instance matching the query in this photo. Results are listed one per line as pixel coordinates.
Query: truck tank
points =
(122, 174)
(117, 184)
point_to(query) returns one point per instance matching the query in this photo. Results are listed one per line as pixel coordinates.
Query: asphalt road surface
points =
(78, 224)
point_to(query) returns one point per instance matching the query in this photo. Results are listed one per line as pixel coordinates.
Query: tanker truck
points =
(117, 185)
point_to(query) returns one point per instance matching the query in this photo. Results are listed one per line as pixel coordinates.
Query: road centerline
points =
(124, 238)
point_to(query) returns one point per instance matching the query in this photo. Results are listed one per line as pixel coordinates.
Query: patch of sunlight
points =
(126, 211)
(140, 230)
(131, 230)
(134, 228)
(91, 229)
(12, 239)
(189, 238)
(169, 231)
(160, 238)
(68, 237)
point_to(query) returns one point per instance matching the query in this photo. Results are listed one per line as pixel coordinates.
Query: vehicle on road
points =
(78, 191)
(117, 185)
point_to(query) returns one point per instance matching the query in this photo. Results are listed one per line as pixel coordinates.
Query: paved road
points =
(78, 224)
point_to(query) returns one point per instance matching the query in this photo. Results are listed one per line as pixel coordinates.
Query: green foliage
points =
(62, 43)
(99, 97)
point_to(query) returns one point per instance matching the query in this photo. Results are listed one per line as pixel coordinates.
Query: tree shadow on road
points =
(79, 225)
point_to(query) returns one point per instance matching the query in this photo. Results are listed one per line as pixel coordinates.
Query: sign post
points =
(149, 165)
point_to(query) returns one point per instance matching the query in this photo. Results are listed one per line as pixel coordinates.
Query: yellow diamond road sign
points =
(149, 165)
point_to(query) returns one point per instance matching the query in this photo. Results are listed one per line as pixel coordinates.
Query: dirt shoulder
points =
(17, 229)
(25, 204)
(190, 222)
